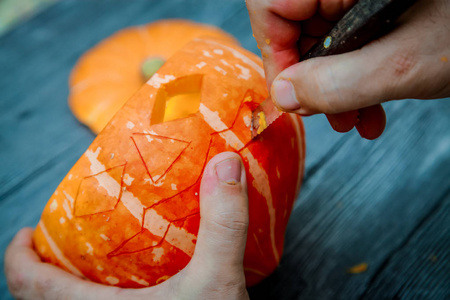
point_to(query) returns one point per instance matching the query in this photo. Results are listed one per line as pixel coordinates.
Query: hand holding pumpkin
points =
(214, 272)
(409, 62)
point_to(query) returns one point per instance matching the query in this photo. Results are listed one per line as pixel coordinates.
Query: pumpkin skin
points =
(127, 213)
(108, 74)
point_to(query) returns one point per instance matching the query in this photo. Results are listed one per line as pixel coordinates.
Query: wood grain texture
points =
(384, 202)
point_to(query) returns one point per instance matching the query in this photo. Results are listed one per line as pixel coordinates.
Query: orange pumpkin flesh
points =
(127, 213)
(108, 74)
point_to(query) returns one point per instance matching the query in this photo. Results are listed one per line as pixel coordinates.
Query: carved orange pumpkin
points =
(108, 74)
(127, 213)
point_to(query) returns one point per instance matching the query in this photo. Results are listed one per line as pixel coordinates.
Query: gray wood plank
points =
(425, 255)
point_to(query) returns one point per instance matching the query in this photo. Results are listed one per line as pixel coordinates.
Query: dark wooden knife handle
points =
(367, 20)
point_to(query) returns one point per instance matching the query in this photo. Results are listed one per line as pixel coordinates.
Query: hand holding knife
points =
(367, 20)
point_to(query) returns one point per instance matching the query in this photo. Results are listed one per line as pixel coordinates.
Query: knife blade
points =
(367, 20)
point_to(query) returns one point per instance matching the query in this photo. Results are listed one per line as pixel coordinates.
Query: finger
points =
(298, 10)
(316, 26)
(379, 72)
(29, 278)
(224, 218)
(343, 122)
(372, 121)
(23, 238)
(333, 10)
(276, 33)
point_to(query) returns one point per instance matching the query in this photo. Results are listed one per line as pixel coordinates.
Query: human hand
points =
(214, 272)
(409, 62)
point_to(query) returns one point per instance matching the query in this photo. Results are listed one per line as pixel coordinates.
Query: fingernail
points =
(284, 94)
(229, 171)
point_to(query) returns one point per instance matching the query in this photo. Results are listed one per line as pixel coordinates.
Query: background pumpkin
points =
(107, 75)
(127, 213)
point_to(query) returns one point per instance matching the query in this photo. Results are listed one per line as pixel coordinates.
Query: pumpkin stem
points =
(150, 66)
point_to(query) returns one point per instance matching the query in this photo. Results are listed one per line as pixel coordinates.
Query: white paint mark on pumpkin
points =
(218, 51)
(200, 64)
(261, 179)
(214, 121)
(57, 252)
(112, 280)
(53, 206)
(245, 73)
(156, 81)
(67, 209)
(174, 186)
(232, 140)
(90, 249)
(103, 236)
(70, 177)
(207, 54)
(261, 184)
(127, 179)
(226, 63)
(240, 56)
(109, 184)
(139, 280)
(212, 118)
(157, 254)
(100, 268)
(78, 227)
(130, 125)
(247, 121)
(68, 197)
(157, 180)
(176, 236)
(220, 70)
(62, 220)
(153, 222)
(298, 131)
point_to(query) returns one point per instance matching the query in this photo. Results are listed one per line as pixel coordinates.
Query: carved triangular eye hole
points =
(177, 99)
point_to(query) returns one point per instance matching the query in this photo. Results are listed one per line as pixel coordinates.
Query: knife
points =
(367, 20)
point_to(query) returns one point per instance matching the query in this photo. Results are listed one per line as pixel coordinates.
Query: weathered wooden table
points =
(384, 202)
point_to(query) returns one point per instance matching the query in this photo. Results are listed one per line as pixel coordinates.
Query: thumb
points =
(378, 72)
(224, 218)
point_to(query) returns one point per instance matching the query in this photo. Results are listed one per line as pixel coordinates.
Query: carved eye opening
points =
(177, 99)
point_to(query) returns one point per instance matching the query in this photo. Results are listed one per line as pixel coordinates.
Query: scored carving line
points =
(171, 164)
(117, 250)
(94, 175)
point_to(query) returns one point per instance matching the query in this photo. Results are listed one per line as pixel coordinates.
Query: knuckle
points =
(229, 223)
(402, 63)
(400, 69)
